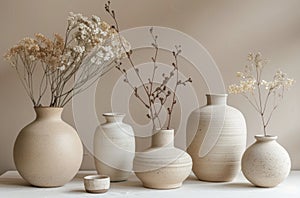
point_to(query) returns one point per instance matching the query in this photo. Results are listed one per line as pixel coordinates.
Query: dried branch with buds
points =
(157, 94)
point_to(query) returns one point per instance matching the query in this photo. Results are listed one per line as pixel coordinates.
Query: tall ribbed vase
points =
(114, 147)
(220, 140)
(48, 152)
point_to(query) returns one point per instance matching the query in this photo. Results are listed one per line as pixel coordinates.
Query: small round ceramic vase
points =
(219, 142)
(114, 147)
(266, 163)
(162, 166)
(48, 152)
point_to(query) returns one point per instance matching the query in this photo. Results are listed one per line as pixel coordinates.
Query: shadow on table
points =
(193, 180)
(125, 184)
(14, 182)
(235, 185)
(121, 186)
(77, 191)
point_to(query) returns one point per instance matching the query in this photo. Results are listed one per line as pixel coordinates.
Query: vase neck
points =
(48, 113)
(262, 138)
(113, 117)
(163, 138)
(216, 99)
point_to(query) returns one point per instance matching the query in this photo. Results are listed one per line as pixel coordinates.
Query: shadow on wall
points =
(16, 112)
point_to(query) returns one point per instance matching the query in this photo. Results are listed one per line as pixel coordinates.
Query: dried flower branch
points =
(251, 87)
(89, 47)
(157, 94)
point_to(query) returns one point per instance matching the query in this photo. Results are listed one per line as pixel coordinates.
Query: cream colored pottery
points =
(162, 166)
(96, 183)
(266, 163)
(219, 142)
(114, 147)
(48, 152)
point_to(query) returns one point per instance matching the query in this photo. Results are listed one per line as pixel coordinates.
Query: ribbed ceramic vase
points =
(162, 166)
(266, 163)
(114, 147)
(219, 142)
(48, 152)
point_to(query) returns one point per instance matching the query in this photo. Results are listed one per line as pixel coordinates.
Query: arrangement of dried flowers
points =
(252, 86)
(87, 52)
(157, 94)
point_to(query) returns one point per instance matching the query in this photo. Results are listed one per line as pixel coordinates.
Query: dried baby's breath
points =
(258, 91)
(62, 57)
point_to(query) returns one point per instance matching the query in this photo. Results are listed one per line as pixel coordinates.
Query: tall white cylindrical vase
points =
(114, 147)
(220, 140)
(266, 163)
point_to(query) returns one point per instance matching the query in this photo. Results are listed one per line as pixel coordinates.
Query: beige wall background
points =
(229, 29)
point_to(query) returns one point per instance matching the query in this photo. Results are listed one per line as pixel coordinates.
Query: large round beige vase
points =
(48, 152)
(266, 163)
(219, 142)
(114, 147)
(162, 166)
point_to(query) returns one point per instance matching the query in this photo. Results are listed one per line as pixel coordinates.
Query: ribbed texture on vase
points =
(219, 142)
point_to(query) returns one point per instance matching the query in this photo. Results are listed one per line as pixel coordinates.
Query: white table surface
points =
(12, 185)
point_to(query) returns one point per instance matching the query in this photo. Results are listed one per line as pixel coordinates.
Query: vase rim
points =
(265, 137)
(97, 177)
(46, 107)
(112, 114)
(217, 94)
(164, 129)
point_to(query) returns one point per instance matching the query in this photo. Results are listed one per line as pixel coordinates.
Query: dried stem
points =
(61, 59)
(251, 81)
(155, 94)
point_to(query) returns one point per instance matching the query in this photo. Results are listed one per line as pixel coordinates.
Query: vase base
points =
(162, 186)
(46, 186)
(218, 180)
(97, 191)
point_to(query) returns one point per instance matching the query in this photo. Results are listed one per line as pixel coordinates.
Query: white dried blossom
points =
(62, 68)
(250, 57)
(100, 54)
(259, 64)
(79, 49)
(96, 30)
(240, 75)
(67, 53)
(73, 20)
(244, 86)
(103, 33)
(289, 82)
(32, 58)
(96, 19)
(280, 80)
(257, 57)
(251, 87)
(96, 60)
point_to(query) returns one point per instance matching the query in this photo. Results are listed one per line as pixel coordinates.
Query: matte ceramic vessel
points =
(219, 142)
(48, 152)
(162, 166)
(96, 183)
(114, 147)
(266, 163)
